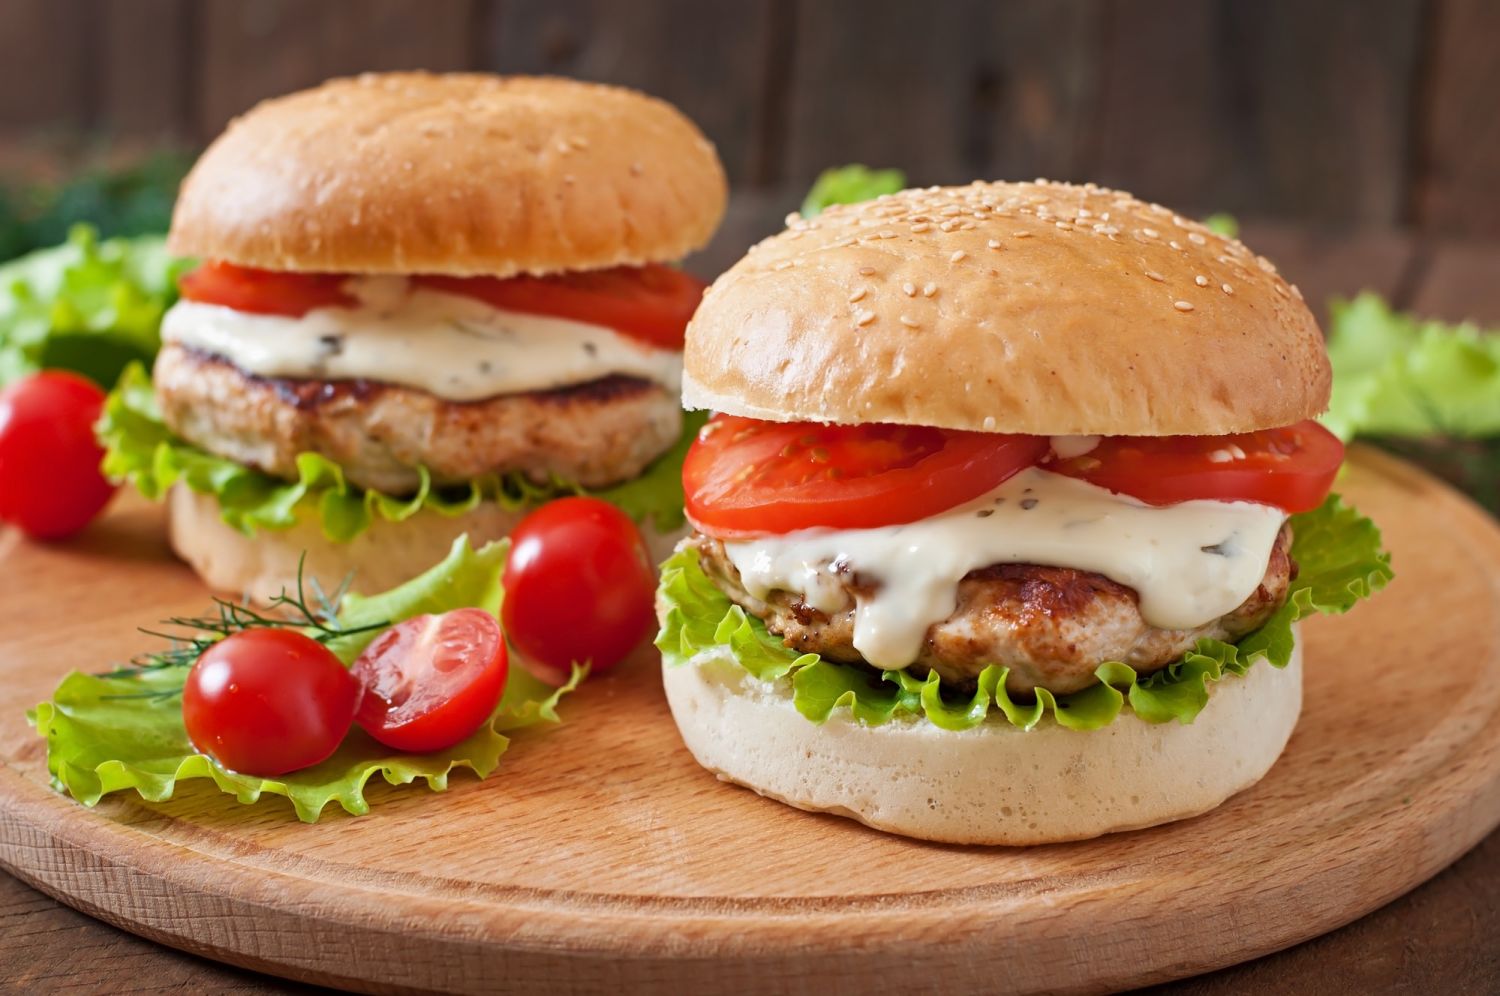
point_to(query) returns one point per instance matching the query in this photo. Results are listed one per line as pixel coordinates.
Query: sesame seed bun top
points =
(461, 174)
(1042, 308)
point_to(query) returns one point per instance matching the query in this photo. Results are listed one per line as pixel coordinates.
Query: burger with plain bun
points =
(425, 304)
(1012, 503)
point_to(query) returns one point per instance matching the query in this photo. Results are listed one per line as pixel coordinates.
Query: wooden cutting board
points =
(600, 858)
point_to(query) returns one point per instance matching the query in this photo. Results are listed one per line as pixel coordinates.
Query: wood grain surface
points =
(1365, 112)
(601, 857)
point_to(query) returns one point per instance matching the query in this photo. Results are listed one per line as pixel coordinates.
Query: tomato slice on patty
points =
(743, 477)
(650, 303)
(1292, 467)
(264, 292)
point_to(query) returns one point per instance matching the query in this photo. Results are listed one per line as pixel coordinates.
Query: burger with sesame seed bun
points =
(425, 304)
(1011, 505)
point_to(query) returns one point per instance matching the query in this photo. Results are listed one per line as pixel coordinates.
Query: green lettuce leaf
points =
(139, 448)
(1397, 375)
(850, 185)
(1340, 561)
(88, 306)
(124, 731)
(1223, 223)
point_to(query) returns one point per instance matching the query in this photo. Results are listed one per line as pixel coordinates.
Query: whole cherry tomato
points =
(268, 701)
(579, 586)
(50, 482)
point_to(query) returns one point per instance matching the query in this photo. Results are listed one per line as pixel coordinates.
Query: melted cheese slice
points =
(1189, 563)
(451, 346)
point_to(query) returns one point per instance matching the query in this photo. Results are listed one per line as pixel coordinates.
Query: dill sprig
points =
(310, 610)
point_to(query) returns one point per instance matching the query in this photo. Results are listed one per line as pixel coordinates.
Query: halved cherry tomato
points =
(432, 680)
(744, 477)
(50, 482)
(579, 586)
(651, 303)
(1291, 467)
(264, 292)
(268, 701)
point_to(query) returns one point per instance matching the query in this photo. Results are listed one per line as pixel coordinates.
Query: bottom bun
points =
(994, 784)
(385, 555)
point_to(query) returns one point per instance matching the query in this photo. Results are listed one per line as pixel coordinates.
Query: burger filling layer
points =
(909, 547)
(453, 347)
(1188, 564)
(405, 379)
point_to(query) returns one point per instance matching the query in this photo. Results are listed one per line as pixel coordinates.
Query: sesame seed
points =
(1197, 239)
(948, 226)
(951, 210)
(887, 234)
(1226, 288)
(1201, 280)
(1156, 276)
(994, 243)
(782, 265)
(1064, 226)
(909, 289)
(1297, 291)
(921, 227)
(929, 289)
(1021, 235)
(1150, 233)
(792, 218)
(1280, 289)
(1182, 306)
(867, 271)
(858, 295)
(864, 318)
(958, 256)
(910, 323)
(1175, 245)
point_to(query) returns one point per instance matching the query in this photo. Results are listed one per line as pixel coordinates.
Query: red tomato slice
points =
(432, 680)
(651, 303)
(268, 701)
(1291, 467)
(264, 292)
(743, 477)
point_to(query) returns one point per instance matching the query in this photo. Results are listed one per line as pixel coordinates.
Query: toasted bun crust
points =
(994, 784)
(382, 557)
(1040, 308)
(461, 174)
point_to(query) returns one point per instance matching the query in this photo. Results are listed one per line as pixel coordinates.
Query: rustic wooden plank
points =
(1329, 262)
(752, 215)
(250, 51)
(708, 59)
(1439, 938)
(949, 92)
(1283, 107)
(48, 948)
(144, 90)
(1461, 283)
(1460, 154)
(46, 71)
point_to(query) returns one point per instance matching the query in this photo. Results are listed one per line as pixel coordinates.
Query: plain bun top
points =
(461, 174)
(1042, 308)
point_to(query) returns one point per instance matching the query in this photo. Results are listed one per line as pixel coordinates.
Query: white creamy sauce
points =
(451, 346)
(1189, 563)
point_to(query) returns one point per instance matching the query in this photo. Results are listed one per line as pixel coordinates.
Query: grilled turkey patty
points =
(1052, 626)
(596, 434)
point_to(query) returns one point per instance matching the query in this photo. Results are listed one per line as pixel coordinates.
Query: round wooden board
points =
(600, 857)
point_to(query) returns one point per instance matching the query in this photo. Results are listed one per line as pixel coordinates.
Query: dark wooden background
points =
(1347, 112)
